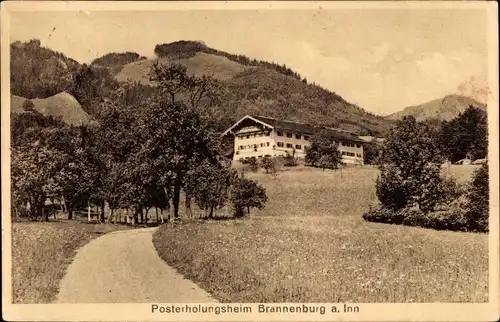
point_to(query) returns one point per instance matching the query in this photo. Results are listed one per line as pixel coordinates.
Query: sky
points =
(380, 59)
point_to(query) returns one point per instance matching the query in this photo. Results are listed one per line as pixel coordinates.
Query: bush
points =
(391, 190)
(289, 159)
(268, 164)
(253, 163)
(451, 219)
(478, 200)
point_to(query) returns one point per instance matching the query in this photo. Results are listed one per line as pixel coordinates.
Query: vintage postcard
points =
(250, 161)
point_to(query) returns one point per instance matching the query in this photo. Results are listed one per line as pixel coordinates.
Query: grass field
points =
(310, 244)
(41, 253)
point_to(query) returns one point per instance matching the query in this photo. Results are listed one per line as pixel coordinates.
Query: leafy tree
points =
(467, 134)
(371, 153)
(478, 200)
(247, 194)
(323, 152)
(209, 185)
(91, 85)
(268, 164)
(411, 174)
(175, 139)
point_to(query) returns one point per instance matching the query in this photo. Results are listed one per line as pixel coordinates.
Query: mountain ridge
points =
(249, 86)
(443, 109)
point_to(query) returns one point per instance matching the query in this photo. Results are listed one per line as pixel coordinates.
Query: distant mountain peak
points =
(444, 109)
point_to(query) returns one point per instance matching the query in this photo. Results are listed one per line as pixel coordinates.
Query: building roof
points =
(297, 127)
(307, 128)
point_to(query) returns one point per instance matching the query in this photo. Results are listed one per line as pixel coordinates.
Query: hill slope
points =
(262, 88)
(61, 105)
(39, 72)
(443, 109)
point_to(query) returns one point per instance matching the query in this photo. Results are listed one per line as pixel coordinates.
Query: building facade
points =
(257, 136)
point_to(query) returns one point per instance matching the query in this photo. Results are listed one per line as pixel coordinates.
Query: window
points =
(289, 145)
(298, 136)
(306, 137)
(267, 143)
(358, 146)
(248, 136)
(260, 156)
(266, 134)
(358, 155)
(279, 133)
(262, 145)
(343, 152)
(289, 135)
(280, 144)
(255, 147)
(298, 147)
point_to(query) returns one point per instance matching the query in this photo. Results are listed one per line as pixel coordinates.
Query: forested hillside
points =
(245, 85)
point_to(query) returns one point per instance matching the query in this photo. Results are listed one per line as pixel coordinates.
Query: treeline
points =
(463, 138)
(113, 60)
(137, 156)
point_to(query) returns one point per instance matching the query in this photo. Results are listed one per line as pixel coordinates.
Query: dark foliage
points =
(247, 194)
(39, 72)
(478, 200)
(465, 135)
(323, 152)
(116, 61)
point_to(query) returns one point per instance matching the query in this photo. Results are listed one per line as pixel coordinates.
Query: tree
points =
(268, 164)
(174, 139)
(209, 185)
(411, 171)
(323, 152)
(478, 200)
(467, 134)
(247, 194)
(371, 153)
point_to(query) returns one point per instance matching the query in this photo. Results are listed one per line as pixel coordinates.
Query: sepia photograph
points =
(250, 161)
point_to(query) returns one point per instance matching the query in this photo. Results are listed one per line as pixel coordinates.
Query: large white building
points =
(258, 136)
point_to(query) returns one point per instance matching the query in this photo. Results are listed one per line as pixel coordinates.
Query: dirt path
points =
(124, 267)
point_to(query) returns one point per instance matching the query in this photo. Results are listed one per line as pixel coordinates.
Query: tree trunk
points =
(142, 215)
(70, 214)
(103, 208)
(46, 213)
(161, 216)
(188, 206)
(156, 210)
(89, 218)
(176, 197)
(211, 214)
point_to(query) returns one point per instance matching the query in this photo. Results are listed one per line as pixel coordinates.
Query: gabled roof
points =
(287, 125)
(297, 127)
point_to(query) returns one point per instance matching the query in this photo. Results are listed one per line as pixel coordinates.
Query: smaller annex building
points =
(258, 136)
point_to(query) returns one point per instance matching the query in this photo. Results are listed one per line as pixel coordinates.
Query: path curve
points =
(124, 267)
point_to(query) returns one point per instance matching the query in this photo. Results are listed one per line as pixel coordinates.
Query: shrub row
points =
(454, 218)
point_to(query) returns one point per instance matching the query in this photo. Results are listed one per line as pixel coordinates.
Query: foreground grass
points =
(310, 244)
(326, 260)
(41, 253)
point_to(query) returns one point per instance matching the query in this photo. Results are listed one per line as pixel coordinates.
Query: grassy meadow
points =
(41, 252)
(310, 244)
